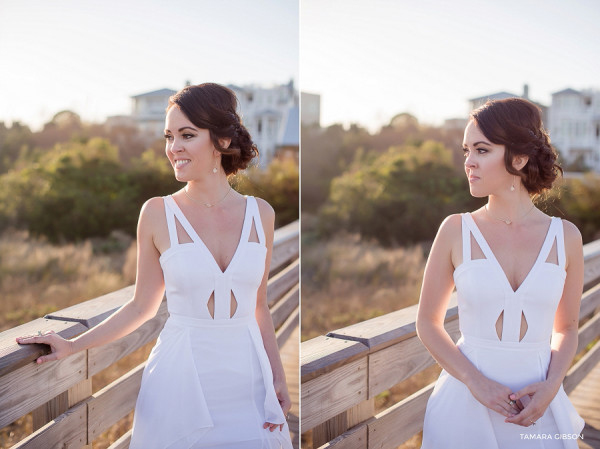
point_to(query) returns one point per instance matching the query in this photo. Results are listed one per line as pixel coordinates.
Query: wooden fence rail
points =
(342, 372)
(65, 412)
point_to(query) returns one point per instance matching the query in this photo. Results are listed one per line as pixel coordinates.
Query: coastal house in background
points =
(148, 111)
(572, 120)
(474, 103)
(574, 126)
(271, 115)
(147, 114)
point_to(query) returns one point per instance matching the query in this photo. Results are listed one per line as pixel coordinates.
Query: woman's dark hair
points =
(517, 124)
(213, 107)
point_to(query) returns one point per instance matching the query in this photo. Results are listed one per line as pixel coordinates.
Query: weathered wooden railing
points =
(342, 372)
(65, 412)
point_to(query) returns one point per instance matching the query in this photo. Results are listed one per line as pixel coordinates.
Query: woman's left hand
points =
(284, 401)
(535, 399)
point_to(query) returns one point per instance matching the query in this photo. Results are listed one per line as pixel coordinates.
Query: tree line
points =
(71, 181)
(397, 185)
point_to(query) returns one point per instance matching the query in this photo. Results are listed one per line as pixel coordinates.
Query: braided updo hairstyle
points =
(517, 124)
(213, 107)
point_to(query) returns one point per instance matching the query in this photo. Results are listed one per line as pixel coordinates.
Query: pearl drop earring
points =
(512, 187)
(215, 170)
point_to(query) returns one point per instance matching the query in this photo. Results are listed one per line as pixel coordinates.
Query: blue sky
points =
(373, 59)
(91, 56)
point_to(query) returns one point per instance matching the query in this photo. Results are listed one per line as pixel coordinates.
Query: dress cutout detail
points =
(454, 419)
(208, 381)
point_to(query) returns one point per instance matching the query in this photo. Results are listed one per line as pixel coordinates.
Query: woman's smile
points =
(180, 163)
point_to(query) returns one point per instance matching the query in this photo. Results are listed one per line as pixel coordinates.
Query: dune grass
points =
(346, 280)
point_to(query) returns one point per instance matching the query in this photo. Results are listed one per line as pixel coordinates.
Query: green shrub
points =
(80, 189)
(277, 184)
(398, 197)
(577, 200)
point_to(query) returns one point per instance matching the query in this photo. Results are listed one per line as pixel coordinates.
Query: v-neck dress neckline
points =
(489, 254)
(187, 226)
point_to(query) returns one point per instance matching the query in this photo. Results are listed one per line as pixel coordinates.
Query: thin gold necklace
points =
(205, 204)
(506, 220)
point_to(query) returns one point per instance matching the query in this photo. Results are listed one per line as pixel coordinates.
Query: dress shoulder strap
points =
(466, 239)
(560, 243)
(170, 214)
(254, 213)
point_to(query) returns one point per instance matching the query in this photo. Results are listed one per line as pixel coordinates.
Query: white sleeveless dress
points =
(208, 382)
(454, 419)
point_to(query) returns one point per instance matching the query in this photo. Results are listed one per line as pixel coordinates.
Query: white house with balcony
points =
(574, 125)
(148, 111)
(271, 115)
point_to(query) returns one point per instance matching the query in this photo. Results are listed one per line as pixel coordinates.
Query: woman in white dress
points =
(214, 378)
(518, 275)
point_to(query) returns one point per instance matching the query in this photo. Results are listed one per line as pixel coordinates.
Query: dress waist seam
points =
(476, 342)
(208, 323)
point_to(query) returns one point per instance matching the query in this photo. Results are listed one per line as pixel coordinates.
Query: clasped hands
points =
(523, 407)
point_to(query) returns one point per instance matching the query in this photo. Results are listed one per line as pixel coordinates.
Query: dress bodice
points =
(484, 292)
(192, 275)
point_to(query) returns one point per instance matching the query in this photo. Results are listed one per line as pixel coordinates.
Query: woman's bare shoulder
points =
(153, 207)
(451, 227)
(571, 231)
(152, 215)
(447, 241)
(572, 235)
(267, 213)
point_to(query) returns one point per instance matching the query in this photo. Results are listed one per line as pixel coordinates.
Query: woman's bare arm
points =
(566, 322)
(437, 288)
(263, 315)
(149, 291)
(438, 284)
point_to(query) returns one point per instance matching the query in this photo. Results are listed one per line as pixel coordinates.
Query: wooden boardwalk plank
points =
(586, 399)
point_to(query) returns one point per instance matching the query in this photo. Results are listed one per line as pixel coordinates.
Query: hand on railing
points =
(60, 347)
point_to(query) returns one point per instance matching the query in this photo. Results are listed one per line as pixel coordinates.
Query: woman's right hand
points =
(60, 347)
(494, 396)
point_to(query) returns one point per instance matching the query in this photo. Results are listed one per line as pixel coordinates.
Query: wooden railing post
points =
(50, 410)
(61, 403)
(337, 425)
(330, 429)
